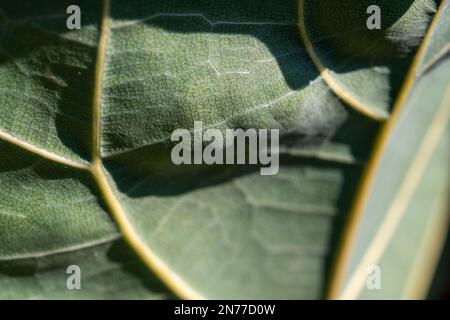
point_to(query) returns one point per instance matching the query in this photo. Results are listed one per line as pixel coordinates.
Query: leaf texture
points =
(85, 125)
(365, 67)
(403, 217)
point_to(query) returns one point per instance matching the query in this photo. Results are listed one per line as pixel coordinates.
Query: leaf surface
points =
(365, 67)
(401, 221)
(108, 271)
(85, 125)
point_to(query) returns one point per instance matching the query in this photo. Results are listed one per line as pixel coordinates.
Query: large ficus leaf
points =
(85, 126)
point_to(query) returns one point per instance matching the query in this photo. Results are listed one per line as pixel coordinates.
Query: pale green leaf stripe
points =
(379, 223)
(415, 160)
(440, 44)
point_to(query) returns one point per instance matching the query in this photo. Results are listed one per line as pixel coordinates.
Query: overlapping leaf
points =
(341, 45)
(404, 214)
(148, 68)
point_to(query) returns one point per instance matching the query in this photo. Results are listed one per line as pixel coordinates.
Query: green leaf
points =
(85, 126)
(108, 271)
(401, 221)
(363, 66)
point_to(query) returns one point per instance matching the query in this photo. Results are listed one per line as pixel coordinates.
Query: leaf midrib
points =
(153, 262)
(96, 169)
